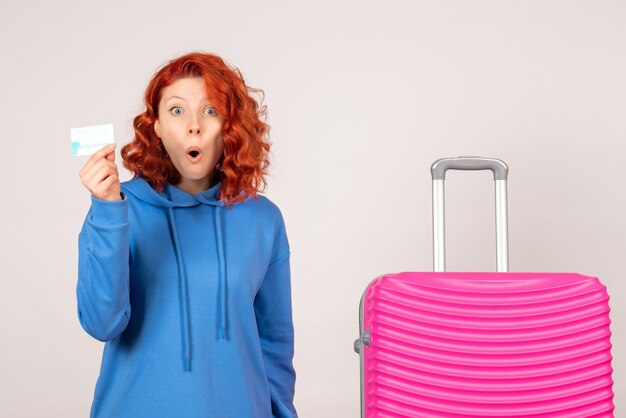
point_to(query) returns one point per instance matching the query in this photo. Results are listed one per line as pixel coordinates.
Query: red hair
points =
(244, 162)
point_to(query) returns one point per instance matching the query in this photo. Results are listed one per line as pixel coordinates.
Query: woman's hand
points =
(100, 176)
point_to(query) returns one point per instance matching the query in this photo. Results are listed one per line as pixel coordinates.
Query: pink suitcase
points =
(531, 345)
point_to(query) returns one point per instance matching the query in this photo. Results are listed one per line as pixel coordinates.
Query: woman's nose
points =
(193, 125)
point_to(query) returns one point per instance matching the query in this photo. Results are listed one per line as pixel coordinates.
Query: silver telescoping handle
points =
(500, 173)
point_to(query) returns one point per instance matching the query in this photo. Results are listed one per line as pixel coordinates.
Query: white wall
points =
(362, 98)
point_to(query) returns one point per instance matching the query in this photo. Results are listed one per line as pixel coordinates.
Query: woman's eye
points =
(211, 111)
(176, 111)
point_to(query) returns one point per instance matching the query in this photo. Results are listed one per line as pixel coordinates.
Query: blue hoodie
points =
(193, 300)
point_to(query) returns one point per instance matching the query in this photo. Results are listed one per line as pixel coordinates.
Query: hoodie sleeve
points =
(102, 291)
(274, 321)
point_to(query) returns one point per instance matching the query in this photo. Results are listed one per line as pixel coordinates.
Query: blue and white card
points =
(89, 139)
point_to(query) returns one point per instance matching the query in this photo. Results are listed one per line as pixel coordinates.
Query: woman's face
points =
(191, 132)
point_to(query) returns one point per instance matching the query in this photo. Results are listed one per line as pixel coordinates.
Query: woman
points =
(184, 270)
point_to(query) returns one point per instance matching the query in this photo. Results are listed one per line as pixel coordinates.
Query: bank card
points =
(89, 139)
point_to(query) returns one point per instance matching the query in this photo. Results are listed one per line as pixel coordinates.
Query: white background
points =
(363, 96)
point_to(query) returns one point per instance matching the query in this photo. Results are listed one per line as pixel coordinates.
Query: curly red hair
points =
(244, 163)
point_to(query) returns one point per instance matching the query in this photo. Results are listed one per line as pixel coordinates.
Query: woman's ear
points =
(157, 129)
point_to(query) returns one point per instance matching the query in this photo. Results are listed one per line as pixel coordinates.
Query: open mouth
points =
(193, 154)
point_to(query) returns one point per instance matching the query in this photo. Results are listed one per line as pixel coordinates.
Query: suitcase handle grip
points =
(498, 167)
(500, 174)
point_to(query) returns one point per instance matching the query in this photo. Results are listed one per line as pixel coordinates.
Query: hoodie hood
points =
(172, 198)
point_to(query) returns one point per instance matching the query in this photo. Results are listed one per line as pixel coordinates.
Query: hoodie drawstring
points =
(182, 289)
(222, 272)
(182, 285)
